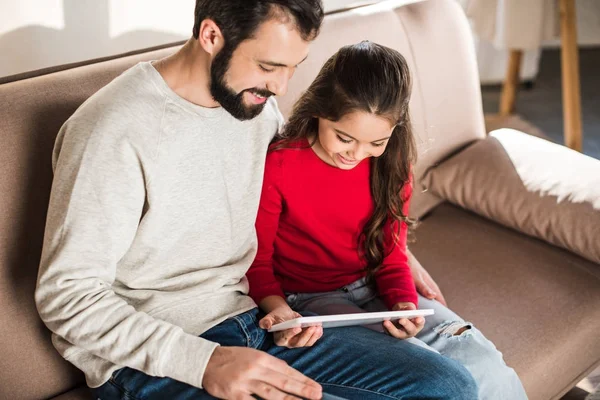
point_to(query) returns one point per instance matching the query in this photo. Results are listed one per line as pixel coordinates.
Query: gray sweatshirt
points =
(150, 228)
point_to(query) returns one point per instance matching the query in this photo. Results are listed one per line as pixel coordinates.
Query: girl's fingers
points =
(419, 322)
(302, 339)
(266, 322)
(316, 336)
(409, 327)
(283, 338)
(405, 328)
(393, 330)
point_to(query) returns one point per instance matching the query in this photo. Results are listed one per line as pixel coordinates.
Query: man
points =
(150, 231)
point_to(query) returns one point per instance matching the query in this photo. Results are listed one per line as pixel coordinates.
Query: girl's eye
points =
(266, 69)
(378, 144)
(341, 139)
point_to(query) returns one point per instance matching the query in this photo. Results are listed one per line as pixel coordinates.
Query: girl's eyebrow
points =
(345, 134)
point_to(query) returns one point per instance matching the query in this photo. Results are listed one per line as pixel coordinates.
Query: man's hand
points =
(404, 328)
(424, 283)
(296, 337)
(240, 372)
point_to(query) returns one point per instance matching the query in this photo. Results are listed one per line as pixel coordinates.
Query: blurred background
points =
(37, 34)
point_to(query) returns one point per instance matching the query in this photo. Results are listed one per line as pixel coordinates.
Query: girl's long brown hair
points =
(371, 78)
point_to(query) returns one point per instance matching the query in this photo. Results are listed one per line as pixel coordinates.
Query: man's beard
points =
(231, 101)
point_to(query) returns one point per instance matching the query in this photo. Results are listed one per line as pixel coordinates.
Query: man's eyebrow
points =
(276, 64)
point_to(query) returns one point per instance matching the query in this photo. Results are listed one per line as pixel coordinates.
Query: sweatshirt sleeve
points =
(261, 275)
(394, 279)
(97, 201)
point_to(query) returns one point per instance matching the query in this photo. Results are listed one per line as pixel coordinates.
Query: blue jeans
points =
(495, 380)
(351, 363)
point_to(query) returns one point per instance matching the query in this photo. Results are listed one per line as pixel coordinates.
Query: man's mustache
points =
(260, 92)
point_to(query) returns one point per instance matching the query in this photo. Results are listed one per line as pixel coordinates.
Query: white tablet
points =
(334, 321)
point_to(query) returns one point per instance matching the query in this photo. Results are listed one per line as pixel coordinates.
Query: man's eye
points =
(266, 69)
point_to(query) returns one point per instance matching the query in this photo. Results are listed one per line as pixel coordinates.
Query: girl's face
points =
(356, 136)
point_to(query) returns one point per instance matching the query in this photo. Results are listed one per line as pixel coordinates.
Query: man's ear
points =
(210, 37)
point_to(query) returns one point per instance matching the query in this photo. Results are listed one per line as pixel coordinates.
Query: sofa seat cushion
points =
(538, 303)
(79, 393)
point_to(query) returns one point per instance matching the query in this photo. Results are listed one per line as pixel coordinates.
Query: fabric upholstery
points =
(31, 116)
(529, 184)
(539, 304)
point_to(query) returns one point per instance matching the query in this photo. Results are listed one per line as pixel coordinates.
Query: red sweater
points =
(309, 222)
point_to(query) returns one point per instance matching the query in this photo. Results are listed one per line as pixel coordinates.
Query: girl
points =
(332, 224)
(333, 212)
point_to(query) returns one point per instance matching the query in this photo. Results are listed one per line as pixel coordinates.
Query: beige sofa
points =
(538, 302)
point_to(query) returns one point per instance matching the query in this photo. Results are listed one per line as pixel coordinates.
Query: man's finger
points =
(244, 397)
(438, 293)
(269, 392)
(279, 374)
(436, 289)
(291, 381)
(441, 299)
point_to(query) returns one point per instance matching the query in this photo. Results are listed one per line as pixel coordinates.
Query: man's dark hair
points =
(239, 19)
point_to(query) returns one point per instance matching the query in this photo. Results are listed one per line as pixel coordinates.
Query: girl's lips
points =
(346, 161)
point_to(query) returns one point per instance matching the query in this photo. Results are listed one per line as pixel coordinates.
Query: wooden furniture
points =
(570, 78)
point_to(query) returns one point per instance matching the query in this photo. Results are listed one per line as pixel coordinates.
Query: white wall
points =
(36, 34)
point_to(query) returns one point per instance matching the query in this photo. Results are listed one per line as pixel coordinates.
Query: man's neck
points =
(187, 74)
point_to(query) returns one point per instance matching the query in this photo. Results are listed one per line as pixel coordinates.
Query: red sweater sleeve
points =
(261, 276)
(394, 279)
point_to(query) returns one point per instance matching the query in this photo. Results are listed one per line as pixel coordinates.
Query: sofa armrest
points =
(529, 184)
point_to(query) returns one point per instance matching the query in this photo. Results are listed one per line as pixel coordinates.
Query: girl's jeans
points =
(494, 378)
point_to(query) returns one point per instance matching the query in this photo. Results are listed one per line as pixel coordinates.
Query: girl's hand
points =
(404, 328)
(295, 337)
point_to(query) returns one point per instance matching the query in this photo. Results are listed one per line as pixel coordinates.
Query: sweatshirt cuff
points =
(186, 358)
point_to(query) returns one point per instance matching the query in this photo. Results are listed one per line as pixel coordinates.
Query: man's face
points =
(259, 67)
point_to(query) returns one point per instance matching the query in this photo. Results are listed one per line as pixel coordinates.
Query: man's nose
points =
(279, 83)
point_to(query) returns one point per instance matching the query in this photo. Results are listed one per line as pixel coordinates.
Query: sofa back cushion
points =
(32, 112)
(529, 184)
